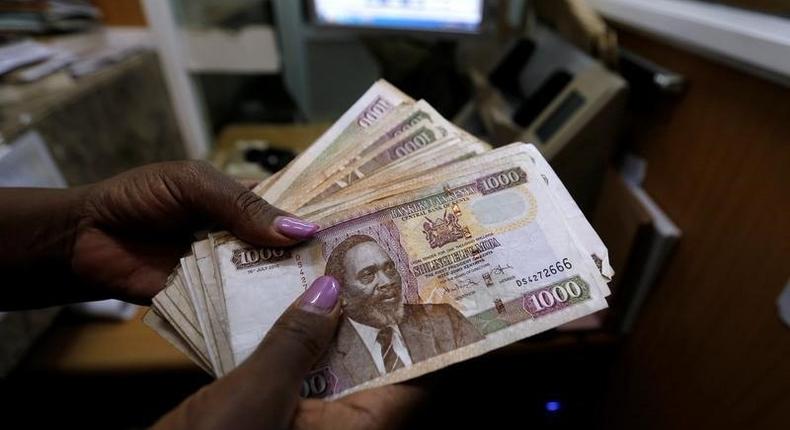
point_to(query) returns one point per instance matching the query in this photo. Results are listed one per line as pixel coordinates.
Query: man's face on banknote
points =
(372, 290)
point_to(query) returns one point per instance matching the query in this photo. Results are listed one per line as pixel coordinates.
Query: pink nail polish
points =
(295, 228)
(321, 296)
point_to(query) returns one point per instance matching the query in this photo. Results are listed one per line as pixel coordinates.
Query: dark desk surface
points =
(76, 346)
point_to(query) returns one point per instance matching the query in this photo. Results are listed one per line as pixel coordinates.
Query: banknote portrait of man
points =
(379, 333)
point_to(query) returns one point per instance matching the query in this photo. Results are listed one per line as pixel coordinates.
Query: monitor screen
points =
(429, 15)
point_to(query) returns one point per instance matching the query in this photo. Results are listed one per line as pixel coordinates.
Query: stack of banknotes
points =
(445, 249)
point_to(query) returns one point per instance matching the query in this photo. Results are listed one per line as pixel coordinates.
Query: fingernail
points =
(321, 296)
(295, 228)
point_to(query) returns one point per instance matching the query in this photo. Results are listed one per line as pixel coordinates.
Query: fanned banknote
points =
(445, 250)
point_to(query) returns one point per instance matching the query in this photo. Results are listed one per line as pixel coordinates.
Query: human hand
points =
(133, 228)
(263, 392)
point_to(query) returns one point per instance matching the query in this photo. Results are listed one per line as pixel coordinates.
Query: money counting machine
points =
(557, 97)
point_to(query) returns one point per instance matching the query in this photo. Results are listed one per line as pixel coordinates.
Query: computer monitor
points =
(451, 16)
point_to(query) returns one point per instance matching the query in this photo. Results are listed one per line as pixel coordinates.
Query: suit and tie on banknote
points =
(445, 249)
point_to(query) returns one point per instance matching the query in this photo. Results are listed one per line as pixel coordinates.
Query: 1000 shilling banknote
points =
(371, 108)
(479, 264)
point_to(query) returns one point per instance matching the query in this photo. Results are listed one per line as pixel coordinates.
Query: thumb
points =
(299, 337)
(242, 212)
(263, 392)
(256, 221)
(290, 350)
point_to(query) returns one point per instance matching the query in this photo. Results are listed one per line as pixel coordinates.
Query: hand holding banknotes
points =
(135, 226)
(124, 235)
(263, 392)
(121, 237)
(439, 247)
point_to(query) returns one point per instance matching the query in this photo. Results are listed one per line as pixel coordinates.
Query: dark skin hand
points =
(240, 400)
(134, 228)
(122, 237)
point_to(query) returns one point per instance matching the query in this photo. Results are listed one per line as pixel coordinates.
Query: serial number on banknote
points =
(547, 272)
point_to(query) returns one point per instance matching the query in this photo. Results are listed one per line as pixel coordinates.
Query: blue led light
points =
(553, 406)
